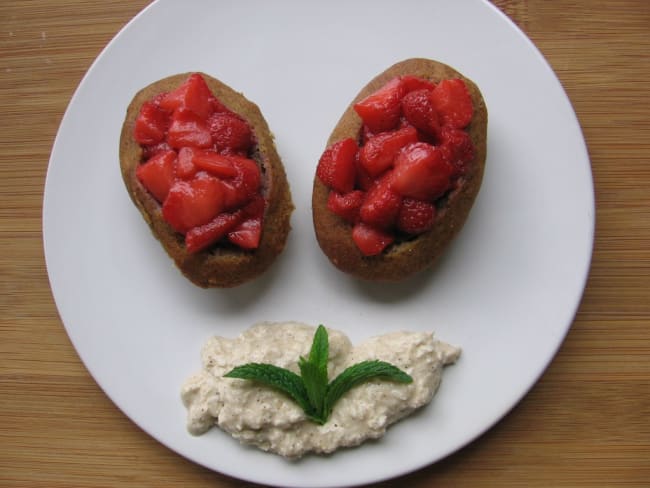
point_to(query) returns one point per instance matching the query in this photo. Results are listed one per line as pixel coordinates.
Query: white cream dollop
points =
(260, 416)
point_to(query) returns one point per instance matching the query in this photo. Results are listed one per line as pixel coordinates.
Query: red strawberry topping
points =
(453, 103)
(247, 234)
(378, 153)
(413, 148)
(188, 129)
(196, 162)
(346, 205)
(193, 203)
(416, 216)
(230, 133)
(336, 167)
(203, 236)
(151, 124)
(380, 111)
(369, 240)
(421, 172)
(457, 148)
(157, 174)
(381, 204)
(419, 111)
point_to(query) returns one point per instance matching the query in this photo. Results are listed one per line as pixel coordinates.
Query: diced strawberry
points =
(457, 148)
(419, 111)
(421, 172)
(193, 95)
(452, 100)
(157, 174)
(369, 240)
(381, 204)
(247, 234)
(244, 185)
(203, 236)
(412, 83)
(151, 124)
(198, 96)
(172, 100)
(188, 129)
(346, 205)
(380, 111)
(415, 216)
(336, 167)
(193, 202)
(214, 163)
(377, 155)
(185, 167)
(151, 150)
(230, 133)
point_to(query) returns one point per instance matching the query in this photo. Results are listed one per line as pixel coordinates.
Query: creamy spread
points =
(258, 415)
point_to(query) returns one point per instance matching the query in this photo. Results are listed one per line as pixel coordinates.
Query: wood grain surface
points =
(586, 422)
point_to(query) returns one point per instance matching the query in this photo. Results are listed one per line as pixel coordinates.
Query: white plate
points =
(507, 290)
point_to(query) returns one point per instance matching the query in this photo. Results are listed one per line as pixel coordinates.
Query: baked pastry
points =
(401, 171)
(199, 162)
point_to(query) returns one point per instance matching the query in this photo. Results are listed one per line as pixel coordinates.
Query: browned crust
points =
(218, 267)
(402, 259)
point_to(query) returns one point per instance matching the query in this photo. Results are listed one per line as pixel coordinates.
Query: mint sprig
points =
(311, 390)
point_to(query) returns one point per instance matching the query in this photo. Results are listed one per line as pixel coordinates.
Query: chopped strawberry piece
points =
(381, 204)
(230, 133)
(247, 234)
(193, 202)
(377, 155)
(457, 148)
(453, 103)
(198, 97)
(419, 111)
(415, 216)
(172, 100)
(157, 174)
(336, 167)
(151, 124)
(369, 240)
(412, 83)
(214, 163)
(421, 172)
(346, 205)
(185, 167)
(188, 129)
(380, 111)
(244, 185)
(203, 236)
(193, 95)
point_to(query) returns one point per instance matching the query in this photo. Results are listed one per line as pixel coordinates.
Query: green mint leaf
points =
(314, 384)
(320, 350)
(314, 370)
(281, 379)
(360, 373)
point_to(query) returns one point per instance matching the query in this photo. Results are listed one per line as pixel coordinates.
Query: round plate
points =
(506, 291)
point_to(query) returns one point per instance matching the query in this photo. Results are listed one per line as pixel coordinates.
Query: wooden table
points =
(585, 423)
